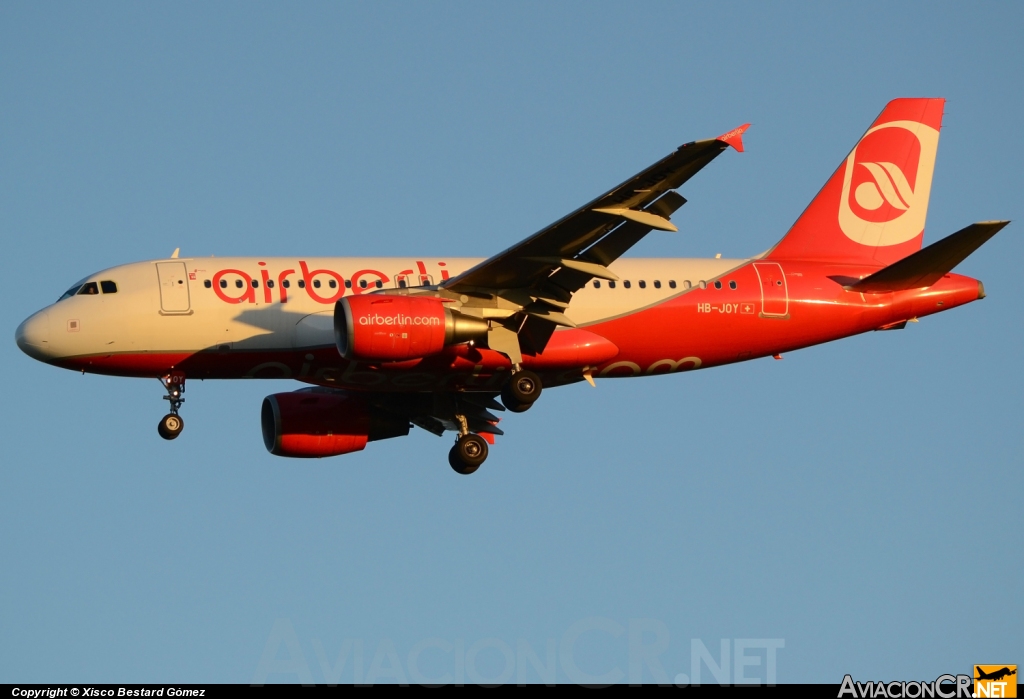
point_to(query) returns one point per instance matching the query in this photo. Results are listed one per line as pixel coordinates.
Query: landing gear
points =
(171, 424)
(469, 452)
(521, 391)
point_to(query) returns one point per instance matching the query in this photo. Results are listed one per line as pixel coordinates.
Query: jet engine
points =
(314, 423)
(378, 328)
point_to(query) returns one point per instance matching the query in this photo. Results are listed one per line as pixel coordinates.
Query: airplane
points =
(386, 344)
(996, 675)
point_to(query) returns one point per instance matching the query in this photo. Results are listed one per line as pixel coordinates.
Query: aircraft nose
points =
(33, 336)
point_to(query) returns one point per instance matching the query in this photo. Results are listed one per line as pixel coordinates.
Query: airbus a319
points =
(445, 344)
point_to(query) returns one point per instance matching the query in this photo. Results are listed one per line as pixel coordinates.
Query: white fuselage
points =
(274, 304)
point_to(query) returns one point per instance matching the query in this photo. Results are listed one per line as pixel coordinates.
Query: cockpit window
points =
(108, 287)
(71, 292)
(89, 289)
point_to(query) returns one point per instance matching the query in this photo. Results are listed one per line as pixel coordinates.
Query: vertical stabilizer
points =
(873, 208)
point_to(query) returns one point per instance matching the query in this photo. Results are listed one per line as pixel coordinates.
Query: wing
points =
(437, 412)
(579, 247)
(524, 292)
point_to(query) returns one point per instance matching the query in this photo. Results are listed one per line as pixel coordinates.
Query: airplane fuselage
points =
(227, 318)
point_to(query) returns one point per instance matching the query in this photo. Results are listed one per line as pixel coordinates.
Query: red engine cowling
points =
(383, 328)
(315, 423)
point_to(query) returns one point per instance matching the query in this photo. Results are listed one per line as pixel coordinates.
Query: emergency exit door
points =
(173, 279)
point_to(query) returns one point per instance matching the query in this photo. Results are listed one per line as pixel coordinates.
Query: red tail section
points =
(873, 209)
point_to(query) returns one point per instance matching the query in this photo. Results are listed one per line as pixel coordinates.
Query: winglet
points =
(735, 137)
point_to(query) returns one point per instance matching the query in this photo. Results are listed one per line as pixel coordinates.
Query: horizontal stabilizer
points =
(928, 265)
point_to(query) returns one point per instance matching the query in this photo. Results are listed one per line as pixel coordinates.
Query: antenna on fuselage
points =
(174, 255)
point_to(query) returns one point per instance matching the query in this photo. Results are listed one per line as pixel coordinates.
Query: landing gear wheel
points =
(521, 391)
(170, 426)
(469, 452)
(514, 406)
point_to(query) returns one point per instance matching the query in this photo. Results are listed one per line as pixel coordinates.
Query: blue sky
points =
(855, 500)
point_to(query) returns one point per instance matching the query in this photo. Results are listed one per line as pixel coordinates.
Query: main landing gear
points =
(521, 391)
(171, 424)
(470, 449)
(469, 452)
(518, 394)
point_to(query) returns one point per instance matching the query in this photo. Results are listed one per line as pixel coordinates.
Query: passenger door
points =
(174, 296)
(774, 292)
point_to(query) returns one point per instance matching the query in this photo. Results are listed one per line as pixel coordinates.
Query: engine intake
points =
(376, 328)
(313, 423)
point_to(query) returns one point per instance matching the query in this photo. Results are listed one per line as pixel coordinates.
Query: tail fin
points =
(873, 208)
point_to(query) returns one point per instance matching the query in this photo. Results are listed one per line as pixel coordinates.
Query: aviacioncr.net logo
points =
(887, 182)
(398, 319)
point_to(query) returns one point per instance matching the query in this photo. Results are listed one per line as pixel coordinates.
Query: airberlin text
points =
(944, 687)
(240, 286)
(377, 319)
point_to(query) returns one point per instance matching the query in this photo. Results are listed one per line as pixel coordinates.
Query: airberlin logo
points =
(398, 319)
(887, 182)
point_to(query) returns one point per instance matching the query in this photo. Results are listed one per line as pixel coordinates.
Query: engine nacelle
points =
(312, 423)
(383, 328)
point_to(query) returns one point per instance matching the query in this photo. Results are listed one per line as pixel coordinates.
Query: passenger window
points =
(348, 284)
(643, 284)
(89, 289)
(672, 284)
(333, 284)
(657, 284)
(718, 285)
(302, 283)
(316, 283)
(287, 284)
(626, 284)
(611, 285)
(379, 284)
(255, 284)
(207, 284)
(702, 284)
(239, 284)
(732, 284)
(401, 283)
(362, 283)
(687, 284)
(223, 283)
(597, 284)
(108, 287)
(270, 283)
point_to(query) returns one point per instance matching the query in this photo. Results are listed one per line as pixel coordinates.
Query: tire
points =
(514, 406)
(170, 426)
(468, 453)
(523, 388)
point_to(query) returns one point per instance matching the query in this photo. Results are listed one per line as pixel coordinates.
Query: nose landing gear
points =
(171, 425)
